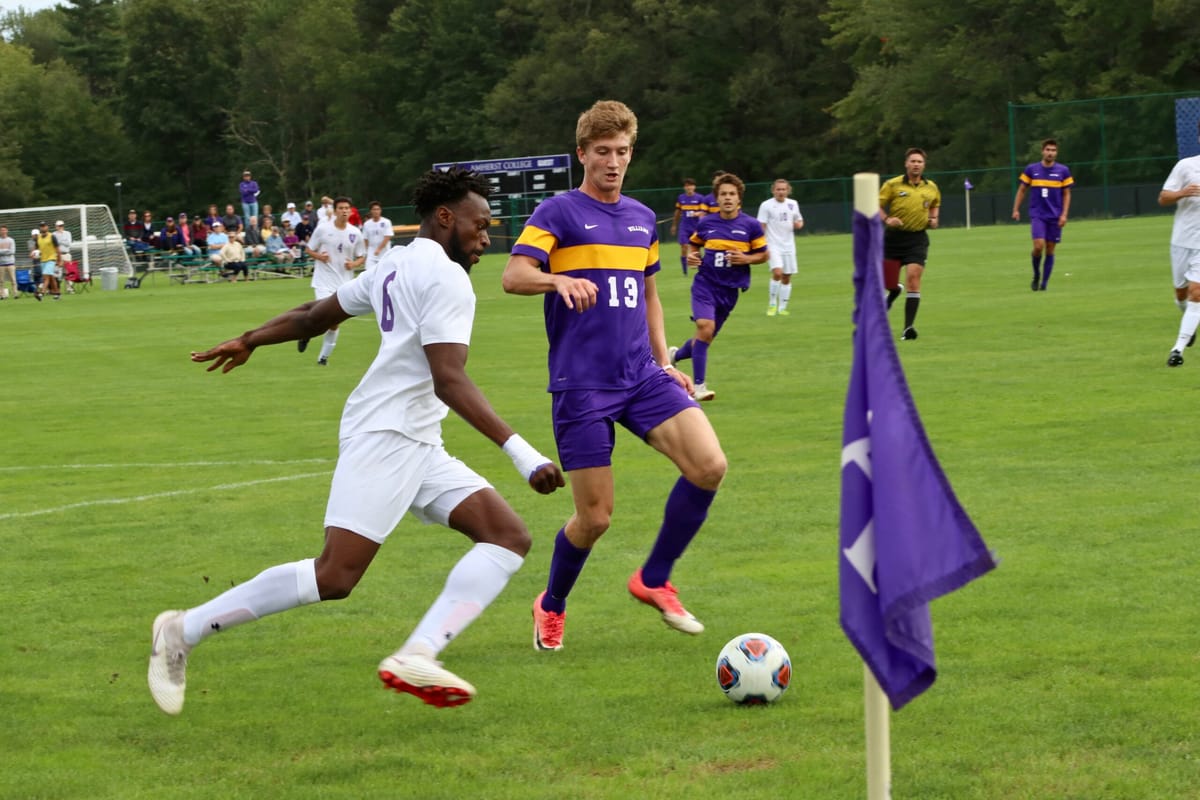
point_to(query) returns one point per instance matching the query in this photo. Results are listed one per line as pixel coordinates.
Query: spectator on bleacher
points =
(249, 191)
(266, 211)
(217, 239)
(233, 223)
(325, 212)
(233, 256)
(312, 212)
(190, 246)
(170, 238)
(290, 239)
(277, 249)
(212, 216)
(133, 233)
(8, 264)
(291, 215)
(252, 238)
(200, 235)
(149, 236)
(305, 228)
(47, 247)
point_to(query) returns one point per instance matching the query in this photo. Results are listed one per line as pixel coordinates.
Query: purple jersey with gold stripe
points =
(691, 208)
(615, 246)
(719, 236)
(1046, 186)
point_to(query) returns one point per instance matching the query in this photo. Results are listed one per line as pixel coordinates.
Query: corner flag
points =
(904, 538)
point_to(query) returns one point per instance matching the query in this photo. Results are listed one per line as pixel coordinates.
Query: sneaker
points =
(322, 361)
(910, 334)
(547, 627)
(671, 351)
(301, 345)
(783, 312)
(1175, 359)
(422, 677)
(666, 600)
(771, 310)
(701, 393)
(168, 662)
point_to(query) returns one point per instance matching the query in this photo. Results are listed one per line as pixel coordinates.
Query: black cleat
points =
(1192, 340)
(909, 335)
(322, 361)
(302, 345)
(1175, 359)
(1034, 284)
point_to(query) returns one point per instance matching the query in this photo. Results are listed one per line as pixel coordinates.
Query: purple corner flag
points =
(904, 540)
(967, 185)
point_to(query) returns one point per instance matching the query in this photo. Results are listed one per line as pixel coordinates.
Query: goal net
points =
(96, 242)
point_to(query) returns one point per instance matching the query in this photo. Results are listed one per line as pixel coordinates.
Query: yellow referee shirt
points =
(910, 203)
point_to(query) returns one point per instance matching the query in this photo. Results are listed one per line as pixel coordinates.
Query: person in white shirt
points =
(337, 249)
(780, 218)
(290, 215)
(8, 264)
(377, 230)
(391, 459)
(326, 212)
(1182, 190)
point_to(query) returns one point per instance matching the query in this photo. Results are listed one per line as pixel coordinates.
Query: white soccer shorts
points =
(380, 475)
(1185, 265)
(782, 261)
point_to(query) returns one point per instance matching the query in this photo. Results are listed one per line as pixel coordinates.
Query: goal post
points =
(96, 242)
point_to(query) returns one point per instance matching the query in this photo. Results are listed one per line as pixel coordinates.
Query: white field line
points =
(116, 501)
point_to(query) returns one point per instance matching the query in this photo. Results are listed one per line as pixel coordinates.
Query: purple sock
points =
(684, 351)
(700, 360)
(687, 508)
(683, 261)
(565, 566)
(1049, 267)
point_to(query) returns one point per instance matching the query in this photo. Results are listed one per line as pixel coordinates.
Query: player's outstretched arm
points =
(447, 365)
(303, 322)
(522, 275)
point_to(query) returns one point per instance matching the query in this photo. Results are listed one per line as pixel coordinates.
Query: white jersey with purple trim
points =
(779, 221)
(376, 232)
(342, 245)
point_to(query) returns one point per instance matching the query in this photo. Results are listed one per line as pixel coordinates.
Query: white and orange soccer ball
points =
(753, 669)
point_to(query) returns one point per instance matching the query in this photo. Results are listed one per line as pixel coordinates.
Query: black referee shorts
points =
(907, 247)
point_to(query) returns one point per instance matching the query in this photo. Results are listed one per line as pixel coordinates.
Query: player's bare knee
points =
(512, 537)
(335, 584)
(709, 472)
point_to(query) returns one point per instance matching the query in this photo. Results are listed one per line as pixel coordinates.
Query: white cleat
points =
(671, 351)
(422, 677)
(168, 662)
(701, 393)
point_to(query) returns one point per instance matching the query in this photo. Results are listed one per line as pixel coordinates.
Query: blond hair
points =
(605, 118)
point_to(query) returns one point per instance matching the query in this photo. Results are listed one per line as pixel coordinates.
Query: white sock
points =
(785, 294)
(328, 343)
(269, 592)
(471, 586)
(1182, 304)
(1187, 325)
(774, 291)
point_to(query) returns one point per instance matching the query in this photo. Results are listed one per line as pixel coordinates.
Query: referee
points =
(910, 205)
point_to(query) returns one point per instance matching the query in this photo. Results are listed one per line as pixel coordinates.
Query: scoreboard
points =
(519, 184)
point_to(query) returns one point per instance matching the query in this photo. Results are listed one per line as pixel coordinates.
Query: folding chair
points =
(25, 281)
(74, 277)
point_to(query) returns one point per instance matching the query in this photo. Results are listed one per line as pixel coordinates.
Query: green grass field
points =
(134, 481)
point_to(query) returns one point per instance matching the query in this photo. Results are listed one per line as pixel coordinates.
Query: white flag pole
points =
(967, 189)
(879, 749)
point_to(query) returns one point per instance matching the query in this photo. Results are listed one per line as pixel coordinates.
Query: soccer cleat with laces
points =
(168, 662)
(671, 351)
(909, 335)
(422, 677)
(702, 394)
(322, 361)
(547, 627)
(666, 599)
(1175, 359)
(783, 312)
(771, 310)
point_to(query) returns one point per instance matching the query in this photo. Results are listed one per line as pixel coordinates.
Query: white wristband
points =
(525, 458)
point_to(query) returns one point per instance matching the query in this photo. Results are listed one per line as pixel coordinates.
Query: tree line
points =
(174, 98)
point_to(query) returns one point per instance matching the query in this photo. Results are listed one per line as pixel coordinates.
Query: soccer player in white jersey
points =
(780, 217)
(390, 457)
(1182, 190)
(337, 249)
(377, 230)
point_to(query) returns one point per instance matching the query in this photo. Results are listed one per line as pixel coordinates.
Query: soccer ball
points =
(753, 669)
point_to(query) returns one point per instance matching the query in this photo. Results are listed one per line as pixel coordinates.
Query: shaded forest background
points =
(174, 98)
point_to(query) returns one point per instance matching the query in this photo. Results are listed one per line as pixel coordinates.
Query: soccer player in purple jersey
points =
(732, 240)
(689, 208)
(593, 253)
(1049, 204)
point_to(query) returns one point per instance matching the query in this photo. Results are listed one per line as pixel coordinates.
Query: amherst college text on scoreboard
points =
(526, 176)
